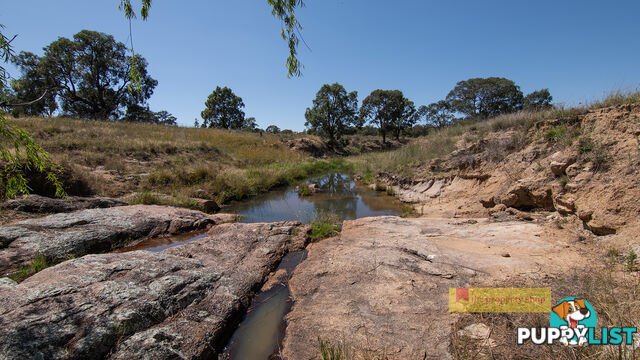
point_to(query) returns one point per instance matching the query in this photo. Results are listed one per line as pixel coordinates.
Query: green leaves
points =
(21, 155)
(125, 5)
(333, 111)
(485, 97)
(538, 100)
(18, 151)
(284, 10)
(389, 110)
(223, 109)
(93, 75)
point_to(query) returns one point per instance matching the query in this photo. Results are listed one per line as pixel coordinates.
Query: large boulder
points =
(560, 161)
(61, 236)
(181, 303)
(525, 195)
(42, 204)
(565, 204)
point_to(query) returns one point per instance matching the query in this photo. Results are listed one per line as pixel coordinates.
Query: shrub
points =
(564, 180)
(561, 134)
(586, 145)
(408, 211)
(303, 190)
(38, 264)
(325, 225)
(555, 133)
(599, 156)
(630, 261)
(612, 254)
(328, 351)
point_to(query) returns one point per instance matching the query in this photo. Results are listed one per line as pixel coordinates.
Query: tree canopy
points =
(272, 129)
(223, 109)
(437, 114)
(390, 111)
(88, 76)
(538, 100)
(34, 83)
(91, 73)
(138, 113)
(333, 111)
(482, 98)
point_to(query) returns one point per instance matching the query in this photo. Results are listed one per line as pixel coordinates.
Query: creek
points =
(261, 330)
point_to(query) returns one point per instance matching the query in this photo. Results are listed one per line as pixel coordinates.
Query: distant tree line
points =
(335, 112)
(88, 77)
(387, 112)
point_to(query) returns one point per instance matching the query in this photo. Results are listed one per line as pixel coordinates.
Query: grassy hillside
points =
(116, 159)
(412, 160)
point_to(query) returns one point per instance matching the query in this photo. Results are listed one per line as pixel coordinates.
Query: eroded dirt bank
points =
(545, 204)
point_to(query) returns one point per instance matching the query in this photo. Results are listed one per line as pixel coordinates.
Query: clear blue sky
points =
(580, 50)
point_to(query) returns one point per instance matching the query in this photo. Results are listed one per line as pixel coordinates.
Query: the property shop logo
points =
(573, 323)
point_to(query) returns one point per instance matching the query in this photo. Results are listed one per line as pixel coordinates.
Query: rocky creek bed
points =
(380, 286)
(181, 298)
(179, 303)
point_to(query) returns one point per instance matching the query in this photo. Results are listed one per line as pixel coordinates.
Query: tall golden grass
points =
(115, 158)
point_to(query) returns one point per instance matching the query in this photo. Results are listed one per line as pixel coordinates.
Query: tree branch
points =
(5, 104)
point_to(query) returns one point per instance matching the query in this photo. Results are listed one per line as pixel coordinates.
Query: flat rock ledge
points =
(178, 304)
(382, 286)
(41, 204)
(66, 235)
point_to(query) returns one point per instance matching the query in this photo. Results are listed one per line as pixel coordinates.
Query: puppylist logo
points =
(572, 322)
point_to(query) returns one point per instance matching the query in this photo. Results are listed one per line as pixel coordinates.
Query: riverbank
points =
(108, 241)
(167, 165)
(570, 177)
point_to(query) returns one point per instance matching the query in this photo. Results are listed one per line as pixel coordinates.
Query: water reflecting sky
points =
(338, 195)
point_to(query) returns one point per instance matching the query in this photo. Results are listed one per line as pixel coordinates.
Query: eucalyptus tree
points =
(390, 111)
(438, 114)
(538, 100)
(272, 129)
(333, 111)
(34, 83)
(481, 98)
(223, 109)
(91, 74)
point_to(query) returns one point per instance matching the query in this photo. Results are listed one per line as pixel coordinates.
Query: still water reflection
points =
(338, 194)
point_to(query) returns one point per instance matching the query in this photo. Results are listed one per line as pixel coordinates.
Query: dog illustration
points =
(572, 311)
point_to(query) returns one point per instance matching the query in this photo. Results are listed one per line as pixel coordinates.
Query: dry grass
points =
(618, 97)
(410, 160)
(613, 294)
(114, 159)
(406, 161)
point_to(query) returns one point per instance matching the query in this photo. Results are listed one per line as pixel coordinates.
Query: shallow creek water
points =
(259, 334)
